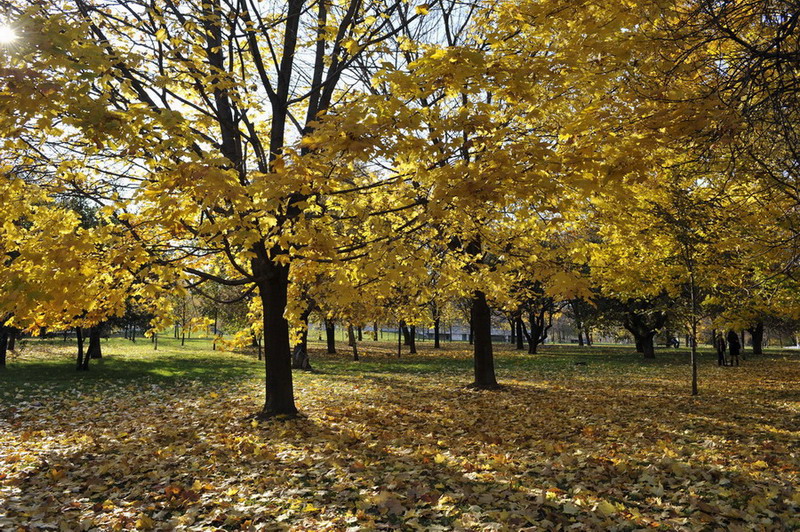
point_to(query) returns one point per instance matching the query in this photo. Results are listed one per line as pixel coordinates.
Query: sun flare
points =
(7, 34)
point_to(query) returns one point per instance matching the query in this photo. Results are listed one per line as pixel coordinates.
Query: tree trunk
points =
(352, 339)
(3, 346)
(300, 358)
(513, 324)
(481, 321)
(155, 341)
(82, 362)
(330, 336)
(580, 338)
(375, 332)
(406, 333)
(94, 350)
(647, 346)
(757, 336)
(520, 333)
(360, 334)
(399, 339)
(277, 354)
(436, 334)
(471, 331)
(638, 341)
(412, 340)
(12, 338)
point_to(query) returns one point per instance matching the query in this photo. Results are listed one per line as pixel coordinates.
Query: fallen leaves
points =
(599, 448)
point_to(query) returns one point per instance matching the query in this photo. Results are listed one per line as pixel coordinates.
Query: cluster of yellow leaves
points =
(562, 446)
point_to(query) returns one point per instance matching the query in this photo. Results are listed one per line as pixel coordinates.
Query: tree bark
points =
(330, 336)
(436, 334)
(481, 320)
(12, 338)
(3, 345)
(412, 340)
(273, 289)
(82, 362)
(375, 332)
(399, 339)
(300, 359)
(520, 333)
(94, 350)
(648, 349)
(360, 334)
(406, 333)
(757, 336)
(352, 339)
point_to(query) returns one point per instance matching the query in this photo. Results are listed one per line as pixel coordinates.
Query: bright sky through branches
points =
(7, 34)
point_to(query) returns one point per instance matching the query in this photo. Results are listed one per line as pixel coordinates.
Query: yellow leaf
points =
(423, 9)
(606, 508)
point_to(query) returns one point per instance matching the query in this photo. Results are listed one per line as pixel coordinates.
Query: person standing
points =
(734, 346)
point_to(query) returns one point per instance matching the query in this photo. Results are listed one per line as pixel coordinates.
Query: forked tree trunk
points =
(273, 289)
(330, 336)
(94, 350)
(481, 320)
(520, 333)
(83, 361)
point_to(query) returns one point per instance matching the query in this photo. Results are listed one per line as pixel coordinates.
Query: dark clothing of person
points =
(735, 346)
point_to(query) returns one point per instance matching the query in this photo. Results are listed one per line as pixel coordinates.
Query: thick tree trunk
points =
(757, 335)
(12, 338)
(471, 332)
(436, 334)
(352, 339)
(638, 341)
(277, 353)
(330, 336)
(580, 338)
(412, 340)
(589, 340)
(481, 320)
(360, 334)
(647, 346)
(83, 361)
(94, 350)
(406, 333)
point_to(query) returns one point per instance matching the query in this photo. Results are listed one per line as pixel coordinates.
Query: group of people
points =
(733, 345)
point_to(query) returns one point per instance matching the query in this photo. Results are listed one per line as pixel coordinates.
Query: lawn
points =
(162, 440)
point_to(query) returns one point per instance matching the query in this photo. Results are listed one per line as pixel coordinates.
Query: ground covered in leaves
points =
(163, 441)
